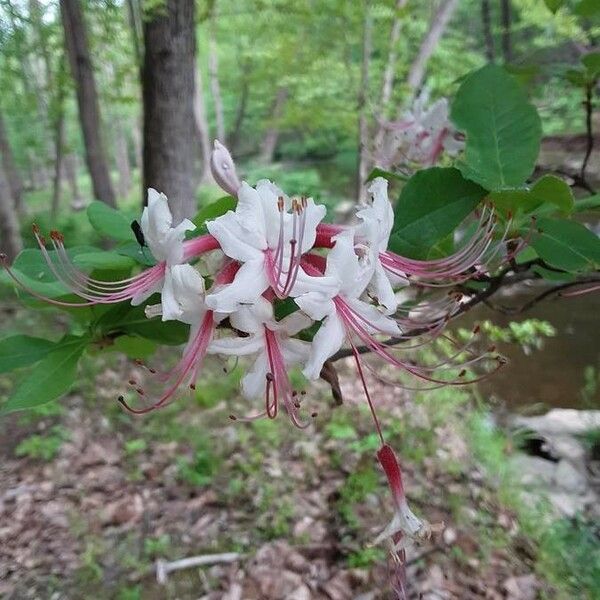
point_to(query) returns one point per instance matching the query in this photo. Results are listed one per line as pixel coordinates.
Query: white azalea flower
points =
(268, 240)
(377, 223)
(166, 244)
(275, 348)
(340, 306)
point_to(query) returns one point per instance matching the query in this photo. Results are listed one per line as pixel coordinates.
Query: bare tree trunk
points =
(70, 171)
(437, 27)
(505, 10)
(234, 138)
(136, 138)
(269, 143)
(201, 123)
(10, 235)
(168, 94)
(213, 73)
(488, 38)
(122, 160)
(363, 125)
(135, 25)
(58, 162)
(10, 169)
(76, 43)
(389, 74)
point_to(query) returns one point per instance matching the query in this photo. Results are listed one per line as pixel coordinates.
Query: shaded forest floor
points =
(91, 497)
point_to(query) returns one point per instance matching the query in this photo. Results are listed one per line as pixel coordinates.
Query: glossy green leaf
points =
(109, 222)
(566, 245)
(554, 190)
(502, 128)
(21, 351)
(169, 333)
(431, 206)
(214, 209)
(134, 346)
(589, 203)
(103, 261)
(50, 378)
(141, 255)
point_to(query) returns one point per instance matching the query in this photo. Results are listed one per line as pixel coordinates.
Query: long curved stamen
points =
(187, 368)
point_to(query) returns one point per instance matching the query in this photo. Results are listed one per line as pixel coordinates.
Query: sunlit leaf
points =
(109, 222)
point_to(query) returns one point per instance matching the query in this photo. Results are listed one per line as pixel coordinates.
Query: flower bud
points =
(223, 169)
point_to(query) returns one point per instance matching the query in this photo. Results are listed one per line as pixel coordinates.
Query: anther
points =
(151, 370)
(476, 329)
(233, 417)
(280, 204)
(314, 415)
(35, 228)
(269, 377)
(192, 386)
(132, 382)
(140, 391)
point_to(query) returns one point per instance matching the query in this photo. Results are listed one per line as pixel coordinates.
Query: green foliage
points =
(214, 209)
(22, 351)
(200, 469)
(431, 205)
(109, 223)
(366, 557)
(356, 488)
(566, 245)
(135, 446)
(50, 378)
(528, 334)
(503, 129)
(157, 547)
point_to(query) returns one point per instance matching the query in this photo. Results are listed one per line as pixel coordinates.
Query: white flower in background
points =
(275, 349)
(340, 306)
(268, 240)
(377, 219)
(421, 135)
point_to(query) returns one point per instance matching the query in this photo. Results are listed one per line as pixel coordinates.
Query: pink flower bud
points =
(223, 169)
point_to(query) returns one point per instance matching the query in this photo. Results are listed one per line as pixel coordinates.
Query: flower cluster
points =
(274, 255)
(420, 136)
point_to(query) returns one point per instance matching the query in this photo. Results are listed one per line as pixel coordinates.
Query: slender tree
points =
(213, 73)
(505, 14)
(13, 177)
(168, 98)
(363, 123)
(438, 25)
(76, 43)
(202, 129)
(486, 23)
(269, 142)
(10, 236)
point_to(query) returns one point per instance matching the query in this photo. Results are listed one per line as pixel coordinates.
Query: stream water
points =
(555, 375)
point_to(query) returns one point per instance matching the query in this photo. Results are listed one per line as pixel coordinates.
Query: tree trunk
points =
(168, 98)
(70, 171)
(76, 43)
(122, 160)
(363, 125)
(10, 235)
(505, 10)
(201, 123)
(58, 162)
(213, 73)
(269, 143)
(428, 45)
(234, 138)
(136, 138)
(10, 169)
(388, 75)
(488, 38)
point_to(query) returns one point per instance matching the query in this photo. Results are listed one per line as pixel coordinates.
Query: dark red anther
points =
(132, 382)
(476, 329)
(140, 391)
(36, 229)
(314, 415)
(192, 386)
(233, 417)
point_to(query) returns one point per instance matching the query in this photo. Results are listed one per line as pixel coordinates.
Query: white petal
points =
(156, 223)
(295, 351)
(249, 283)
(382, 288)
(373, 320)
(237, 346)
(307, 283)
(269, 194)
(143, 296)
(250, 215)
(313, 215)
(316, 305)
(252, 318)
(294, 323)
(233, 239)
(188, 290)
(254, 383)
(326, 343)
(170, 306)
(343, 263)
(173, 242)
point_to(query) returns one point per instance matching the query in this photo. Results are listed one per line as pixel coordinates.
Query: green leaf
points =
(169, 333)
(587, 8)
(502, 128)
(377, 172)
(554, 5)
(103, 261)
(567, 245)
(589, 203)
(109, 222)
(50, 378)
(431, 205)
(141, 255)
(214, 209)
(554, 190)
(134, 346)
(21, 351)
